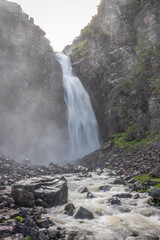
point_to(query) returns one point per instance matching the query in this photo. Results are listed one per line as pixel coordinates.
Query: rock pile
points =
(45, 191)
(126, 160)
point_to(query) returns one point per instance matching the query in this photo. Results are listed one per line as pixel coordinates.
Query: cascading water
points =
(82, 124)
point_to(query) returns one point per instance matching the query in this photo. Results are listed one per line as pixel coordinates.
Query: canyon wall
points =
(32, 110)
(117, 57)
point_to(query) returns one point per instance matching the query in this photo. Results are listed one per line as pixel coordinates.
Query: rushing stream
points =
(131, 218)
(82, 124)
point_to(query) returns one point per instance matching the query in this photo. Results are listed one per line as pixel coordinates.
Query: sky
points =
(62, 20)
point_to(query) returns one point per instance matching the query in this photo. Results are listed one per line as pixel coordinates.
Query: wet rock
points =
(104, 188)
(69, 209)
(83, 190)
(72, 235)
(53, 233)
(53, 191)
(44, 223)
(40, 202)
(83, 213)
(23, 197)
(80, 236)
(119, 181)
(123, 195)
(146, 238)
(114, 201)
(132, 180)
(9, 202)
(90, 195)
(99, 171)
(151, 202)
(136, 196)
(155, 193)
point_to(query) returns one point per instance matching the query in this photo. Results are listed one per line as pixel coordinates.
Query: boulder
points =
(22, 197)
(136, 196)
(119, 181)
(114, 201)
(123, 195)
(44, 223)
(90, 195)
(104, 188)
(69, 209)
(155, 193)
(54, 233)
(52, 191)
(83, 213)
(83, 190)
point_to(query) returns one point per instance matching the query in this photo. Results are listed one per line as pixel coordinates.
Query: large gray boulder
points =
(52, 191)
(83, 213)
(155, 193)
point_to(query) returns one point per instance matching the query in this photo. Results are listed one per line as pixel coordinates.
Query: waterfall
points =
(82, 123)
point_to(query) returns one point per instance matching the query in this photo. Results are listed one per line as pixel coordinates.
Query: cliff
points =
(117, 57)
(32, 109)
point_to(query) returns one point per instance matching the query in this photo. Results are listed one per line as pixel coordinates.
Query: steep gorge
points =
(32, 109)
(117, 57)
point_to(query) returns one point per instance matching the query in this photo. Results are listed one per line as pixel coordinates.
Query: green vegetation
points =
(119, 139)
(100, 154)
(144, 55)
(126, 83)
(19, 218)
(81, 50)
(144, 177)
(132, 128)
(4, 221)
(28, 238)
(154, 83)
(158, 202)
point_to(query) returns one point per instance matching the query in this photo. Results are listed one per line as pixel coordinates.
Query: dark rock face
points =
(123, 195)
(69, 209)
(31, 92)
(23, 198)
(117, 58)
(114, 201)
(52, 191)
(104, 188)
(83, 213)
(155, 193)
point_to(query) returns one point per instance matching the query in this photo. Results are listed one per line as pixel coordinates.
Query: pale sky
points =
(62, 20)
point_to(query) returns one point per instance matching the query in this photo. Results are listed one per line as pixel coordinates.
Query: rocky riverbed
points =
(87, 205)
